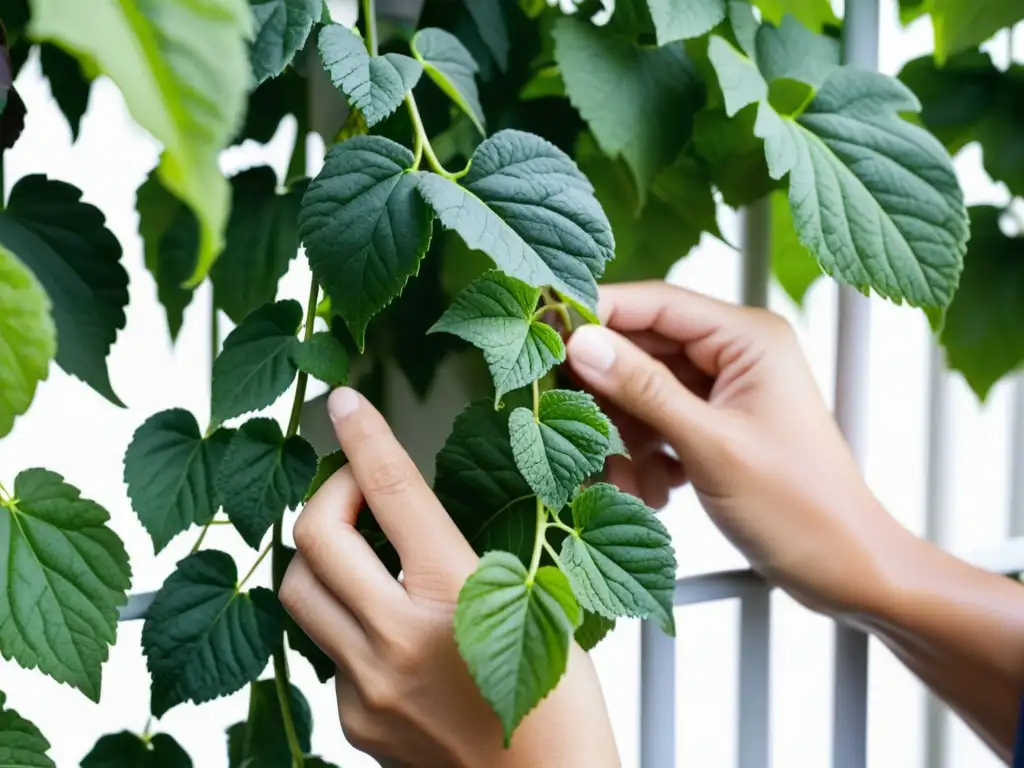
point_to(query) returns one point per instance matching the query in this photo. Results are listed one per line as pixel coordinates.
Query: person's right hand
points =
(729, 390)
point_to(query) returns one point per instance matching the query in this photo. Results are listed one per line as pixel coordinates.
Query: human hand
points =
(404, 693)
(729, 390)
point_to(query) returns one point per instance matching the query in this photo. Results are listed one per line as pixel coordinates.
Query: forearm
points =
(960, 630)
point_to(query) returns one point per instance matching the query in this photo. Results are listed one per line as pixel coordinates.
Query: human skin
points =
(728, 390)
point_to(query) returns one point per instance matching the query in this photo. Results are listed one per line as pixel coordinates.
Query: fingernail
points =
(590, 346)
(342, 402)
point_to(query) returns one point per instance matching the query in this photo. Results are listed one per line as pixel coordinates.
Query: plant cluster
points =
(497, 156)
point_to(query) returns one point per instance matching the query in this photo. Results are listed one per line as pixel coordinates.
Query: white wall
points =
(75, 432)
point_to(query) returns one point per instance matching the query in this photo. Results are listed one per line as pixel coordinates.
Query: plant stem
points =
(300, 383)
(260, 559)
(199, 541)
(423, 142)
(556, 522)
(4, 495)
(285, 700)
(536, 399)
(550, 550)
(370, 20)
(538, 541)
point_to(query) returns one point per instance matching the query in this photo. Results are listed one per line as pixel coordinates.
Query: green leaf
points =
(683, 19)
(255, 367)
(261, 474)
(982, 334)
(792, 264)
(478, 483)
(183, 69)
(21, 743)
(496, 314)
(77, 260)
(638, 102)
(795, 62)
(620, 560)
(448, 63)
(202, 637)
(63, 575)
(374, 85)
(593, 629)
(128, 750)
(28, 339)
(813, 14)
(364, 227)
(68, 84)
(325, 467)
(169, 469)
(526, 205)
(489, 19)
(873, 197)
(959, 26)
(563, 446)
(262, 239)
(170, 236)
(733, 154)
(260, 741)
(282, 27)
(323, 357)
(270, 103)
(513, 634)
(300, 642)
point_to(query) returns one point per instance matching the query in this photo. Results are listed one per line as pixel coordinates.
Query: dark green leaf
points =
(734, 155)
(170, 469)
(27, 336)
(260, 741)
(170, 236)
(301, 643)
(638, 102)
(256, 364)
(325, 467)
(77, 260)
(364, 227)
(374, 85)
(203, 638)
(183, 70)
(620, 560)
(65, 574)
(593, 629)
(127, 750)
(983, 330)
(262, 238)
(563, 446)
(683, 19)
(489, 18)
(282, 27)
(12, 121)
(515, 634)
(323, 357)
(448, 63)
(496, 314)
(479, 484)
(21, 743)
(68, 84)
(269, 103)
(526, 205)
(261, 475)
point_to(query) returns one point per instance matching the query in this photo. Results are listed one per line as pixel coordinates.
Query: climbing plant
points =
(497, 159)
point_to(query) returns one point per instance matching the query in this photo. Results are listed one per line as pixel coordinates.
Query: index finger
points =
(405, 506)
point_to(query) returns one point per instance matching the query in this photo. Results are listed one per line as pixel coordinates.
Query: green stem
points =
(4, 495)
(260, 559)
(538, 541)
(370, 21)
(536, 399)
(423, 143)
(300, 384)
(556, 522)
(199, 541)
(285, 700)
(550, 550)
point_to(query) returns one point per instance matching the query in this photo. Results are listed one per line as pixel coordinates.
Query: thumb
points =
(619, 371)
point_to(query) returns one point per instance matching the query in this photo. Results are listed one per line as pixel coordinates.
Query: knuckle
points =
(359, 731)
(402, 651)
(380, 693)
(772, 323)
(647, 384)
(388, 477)
(306, 533)
(289, 593)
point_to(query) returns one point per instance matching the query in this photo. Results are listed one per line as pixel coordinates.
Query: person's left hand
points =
(404, 693)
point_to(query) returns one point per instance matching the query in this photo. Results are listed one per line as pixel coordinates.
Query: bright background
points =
(73, 431)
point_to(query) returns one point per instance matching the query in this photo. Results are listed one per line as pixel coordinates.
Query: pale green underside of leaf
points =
(128, 750)
(63, 575)
(681, 20)
(873, 197)
(495, 314)
(374, 85)
(255, 367)
(183, 69)
(77, 260)
(261, 475)
(282, 27)
(526, 205)
(564, 446)
(513, 636)
(324, 358)
(203, 639)
(364, 227)
(983, 335)
(28, 338)
(621, 561)
(21, 743)
(169, 469)
(448, 63)
(638, 102)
